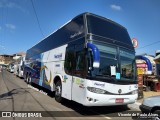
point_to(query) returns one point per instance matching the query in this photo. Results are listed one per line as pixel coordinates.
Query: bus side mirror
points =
(96, 56)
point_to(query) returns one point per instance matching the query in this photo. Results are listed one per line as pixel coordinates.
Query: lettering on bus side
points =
(76, 34)
(58, 56)
(57, 65)
(99, 84)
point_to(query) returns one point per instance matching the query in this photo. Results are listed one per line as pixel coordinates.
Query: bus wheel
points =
(29, 80)
(58, 92)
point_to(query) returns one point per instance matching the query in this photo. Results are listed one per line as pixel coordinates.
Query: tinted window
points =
(107, 28)
(80, 60)
(71, 31)
(128, 68)
(108, 60)
(69, 60)
(75, 62)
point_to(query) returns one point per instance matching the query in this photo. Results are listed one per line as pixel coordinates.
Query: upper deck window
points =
(107, 28)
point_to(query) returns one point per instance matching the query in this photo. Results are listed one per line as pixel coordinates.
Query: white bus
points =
(89, 60)
(20, 67)
(11, 67)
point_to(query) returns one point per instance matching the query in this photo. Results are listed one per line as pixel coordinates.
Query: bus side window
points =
(80, 63)
(69, 61)
(80, 60)
(31, 65)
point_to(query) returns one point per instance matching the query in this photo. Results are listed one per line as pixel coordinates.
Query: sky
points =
(23, 23)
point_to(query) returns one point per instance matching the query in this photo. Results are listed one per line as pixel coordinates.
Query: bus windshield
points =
(127, 64)
(114, 61)
(108, 58)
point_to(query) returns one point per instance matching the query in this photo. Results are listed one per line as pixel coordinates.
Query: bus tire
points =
(30, 80)
(27, 77)
(58, 92)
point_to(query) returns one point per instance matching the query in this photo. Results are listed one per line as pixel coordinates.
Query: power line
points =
(37, 18)
(148, 45)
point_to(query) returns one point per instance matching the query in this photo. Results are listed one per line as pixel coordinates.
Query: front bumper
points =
(93, 99)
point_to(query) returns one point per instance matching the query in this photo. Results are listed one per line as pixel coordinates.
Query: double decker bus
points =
(89, 60)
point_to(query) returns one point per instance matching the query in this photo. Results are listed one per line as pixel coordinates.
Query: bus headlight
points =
(96, 90)
(134, 92)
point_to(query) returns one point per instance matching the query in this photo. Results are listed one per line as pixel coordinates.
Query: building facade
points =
(6, 59)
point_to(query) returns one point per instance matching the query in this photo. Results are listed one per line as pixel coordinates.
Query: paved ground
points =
(17, 96)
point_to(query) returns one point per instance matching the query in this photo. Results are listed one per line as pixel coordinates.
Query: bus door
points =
(79, 73)
(68, 75)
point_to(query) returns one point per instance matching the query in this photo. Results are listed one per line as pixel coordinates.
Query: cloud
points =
(10, 4)
(115, 7)
(7, 4)
(2, 47)
(10, 26)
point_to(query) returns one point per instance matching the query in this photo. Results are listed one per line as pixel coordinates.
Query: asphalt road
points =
(23, 100)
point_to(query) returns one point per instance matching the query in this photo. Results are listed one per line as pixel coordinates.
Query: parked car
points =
(151, 105)
(3, 66)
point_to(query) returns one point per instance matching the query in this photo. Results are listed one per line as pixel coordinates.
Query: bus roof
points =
(104, 18)
(82, 14)
(76, 27)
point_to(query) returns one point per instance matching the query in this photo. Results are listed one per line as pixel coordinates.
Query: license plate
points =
(119, 100)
